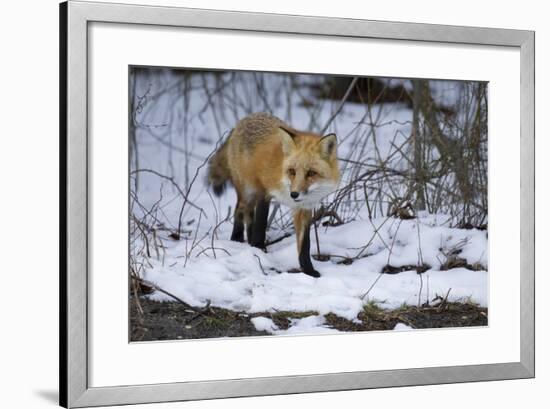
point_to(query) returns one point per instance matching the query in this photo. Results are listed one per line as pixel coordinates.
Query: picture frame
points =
(75, 388)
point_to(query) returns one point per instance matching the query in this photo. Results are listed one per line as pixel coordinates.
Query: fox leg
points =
(244, 217)
(302, 223)
(249, 222)
(259, 226)
(238, 223)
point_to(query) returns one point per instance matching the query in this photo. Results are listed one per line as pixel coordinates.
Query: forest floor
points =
(174, 320)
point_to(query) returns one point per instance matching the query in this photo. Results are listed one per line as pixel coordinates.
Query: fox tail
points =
(218, 170)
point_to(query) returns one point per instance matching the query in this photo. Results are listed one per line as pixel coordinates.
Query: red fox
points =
(264, 159)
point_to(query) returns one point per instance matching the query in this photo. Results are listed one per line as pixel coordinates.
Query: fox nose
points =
(294, 195)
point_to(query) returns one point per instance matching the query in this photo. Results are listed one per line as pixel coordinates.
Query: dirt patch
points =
(389, 269)
(451, 315)
(174, 320)
(447, 315)
(456, 262)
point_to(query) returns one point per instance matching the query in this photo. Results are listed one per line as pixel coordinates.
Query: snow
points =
(314, 324)
(402, 327)
(264, 324)
(249, 280)
(204, 266)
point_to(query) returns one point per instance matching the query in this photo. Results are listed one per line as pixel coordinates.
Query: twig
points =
(420, 290)
(261, 266)
(278, 239)
(171, 180)
(316, 237)
(340, 105)
(160, 290)
(273, 213)
(444, 302)
(213, 251)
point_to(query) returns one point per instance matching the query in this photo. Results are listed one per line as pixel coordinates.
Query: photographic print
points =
(297, 204)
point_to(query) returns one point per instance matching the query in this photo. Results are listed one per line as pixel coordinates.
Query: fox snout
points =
(298, 192)
(308, 196)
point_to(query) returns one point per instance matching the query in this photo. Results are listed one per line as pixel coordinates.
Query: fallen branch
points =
(160, 290)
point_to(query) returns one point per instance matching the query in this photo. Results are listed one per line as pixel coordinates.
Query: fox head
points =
(310, 167)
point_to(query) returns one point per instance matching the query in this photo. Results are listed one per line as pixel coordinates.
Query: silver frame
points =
(74, 19)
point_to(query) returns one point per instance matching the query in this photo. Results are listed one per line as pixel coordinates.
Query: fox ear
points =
(328, 144)
(287, 140)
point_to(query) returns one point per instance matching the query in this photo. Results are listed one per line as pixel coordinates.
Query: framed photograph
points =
(259, 204)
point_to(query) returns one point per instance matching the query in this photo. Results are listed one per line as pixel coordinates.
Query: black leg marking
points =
(238, 227)
(249, 228)
(249, 221)
(260, 224)
(305, 258)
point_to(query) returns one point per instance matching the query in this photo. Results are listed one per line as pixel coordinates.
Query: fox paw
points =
(260, 246)
(312, 273)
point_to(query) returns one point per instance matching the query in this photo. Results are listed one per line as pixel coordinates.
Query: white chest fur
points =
(306, 200)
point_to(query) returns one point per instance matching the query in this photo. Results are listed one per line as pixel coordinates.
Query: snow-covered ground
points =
(244, 278)
(203, 266)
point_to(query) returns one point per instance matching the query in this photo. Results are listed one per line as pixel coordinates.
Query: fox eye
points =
(311, 173)
(292, 172)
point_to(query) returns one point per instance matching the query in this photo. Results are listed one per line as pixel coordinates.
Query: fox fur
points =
(264, 159)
